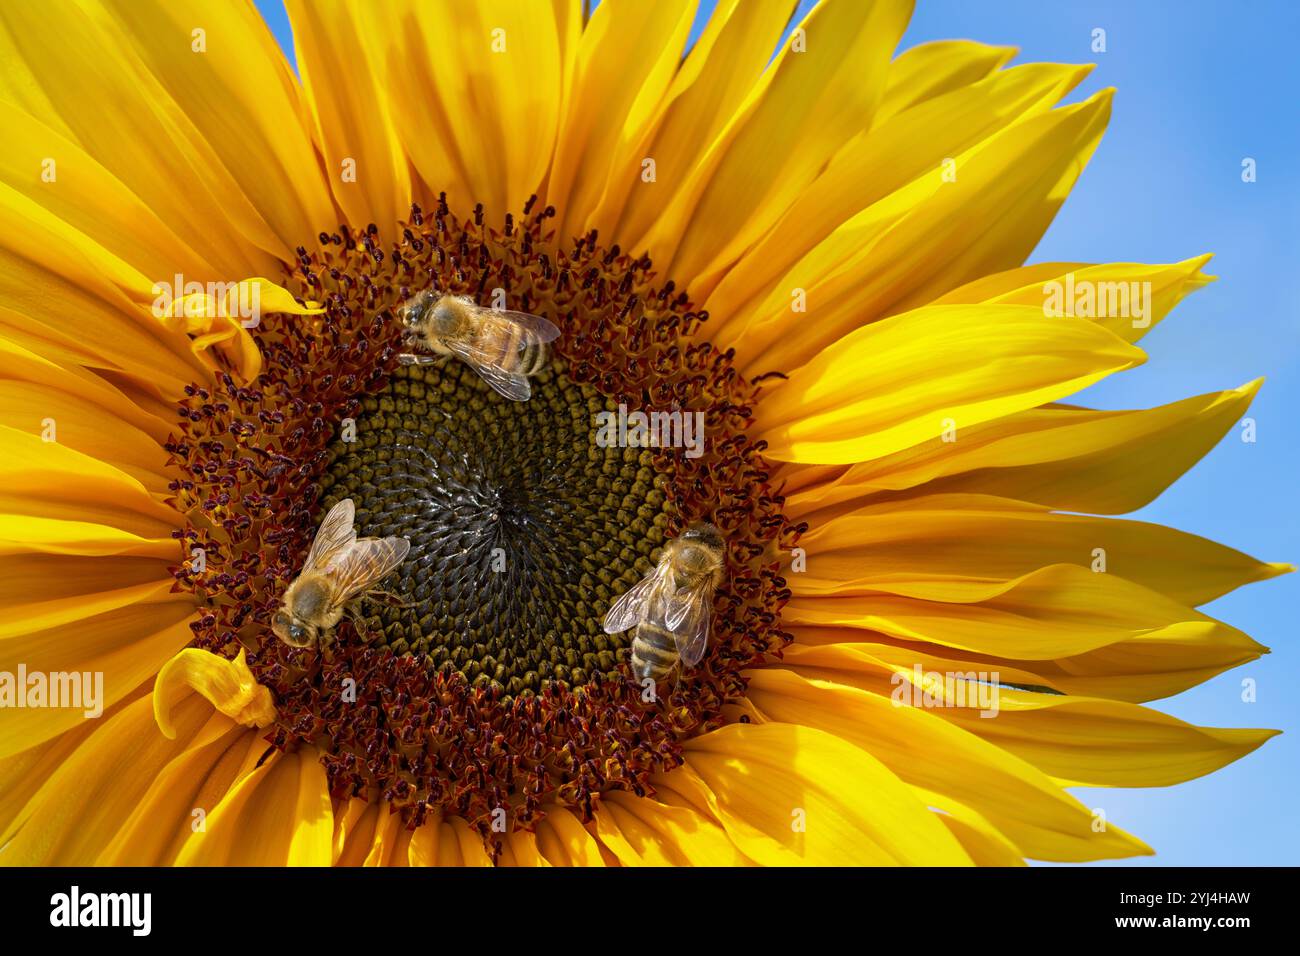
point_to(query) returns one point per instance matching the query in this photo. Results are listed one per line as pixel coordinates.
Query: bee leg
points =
(676, 676)
(393, 600)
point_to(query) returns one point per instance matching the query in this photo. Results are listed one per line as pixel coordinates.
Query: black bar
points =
(516, 907)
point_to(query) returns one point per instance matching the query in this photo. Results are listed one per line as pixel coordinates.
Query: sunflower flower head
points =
(792, 308)
(494, 677)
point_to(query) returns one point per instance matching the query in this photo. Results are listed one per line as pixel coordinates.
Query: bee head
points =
(705, 534)
(291, 631)
(412, 312)
(447, 319)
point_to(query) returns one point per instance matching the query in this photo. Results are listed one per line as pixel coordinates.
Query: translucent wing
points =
(407, 358)
(629, 610)
(677, 603)
(484, 356)
(692, 611)
(510, 384)
(535, 327)
(334, 535)
(363, 565)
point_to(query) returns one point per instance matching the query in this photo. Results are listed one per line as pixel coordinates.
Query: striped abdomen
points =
(654, 651)
(511, 347)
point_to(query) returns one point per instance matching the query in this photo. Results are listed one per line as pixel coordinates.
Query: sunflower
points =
(818, 256)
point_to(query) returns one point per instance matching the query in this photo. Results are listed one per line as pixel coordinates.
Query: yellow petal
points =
(983, 842)
(867, 170)
(343, 83)
(643, 831)
(116, 651)
(354, 830)
(1128, 298)
(1052, 613)
(1134, 671)
(23, 534)
(956, 539)
(105, 264)
(933, 370)
(278, 815)
(1072, 459)
(982, 212)
(113, 331)
(449, 846)
(626, 59)
(806, 107)
(88, 198)
(83, 404)
(82, 805)
(223, 314)
(44, 482)
(719, 71)
(476, 110)
(258, 134)
(424, 846)
(390, 844)
(931, 69)
(564, 841)
(228, 685)
(468, 844)
(1084, 741)
(55, 243)
(45, 591)
(520, 849)
(23, 774)
(960, 767)
(59, 343)
(181, 795)
(249, 165)
(789, 795)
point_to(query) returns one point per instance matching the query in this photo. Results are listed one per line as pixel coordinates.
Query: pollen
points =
(522, 528)
(481, 679)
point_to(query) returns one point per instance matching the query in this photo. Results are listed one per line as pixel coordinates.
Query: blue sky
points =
(1201, 85)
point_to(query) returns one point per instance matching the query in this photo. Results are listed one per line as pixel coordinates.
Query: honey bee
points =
(672, 606)
(503, 347)
(340, 567)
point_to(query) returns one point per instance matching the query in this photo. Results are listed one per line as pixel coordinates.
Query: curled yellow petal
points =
(229, 685)
(194, 307)
(221, 313)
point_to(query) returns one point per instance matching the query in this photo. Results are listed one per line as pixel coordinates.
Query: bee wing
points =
(535, 327)
(334, 536)
(628, 611)
(485, 358)
(689, 617)
(510, 384)
(363, 565)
